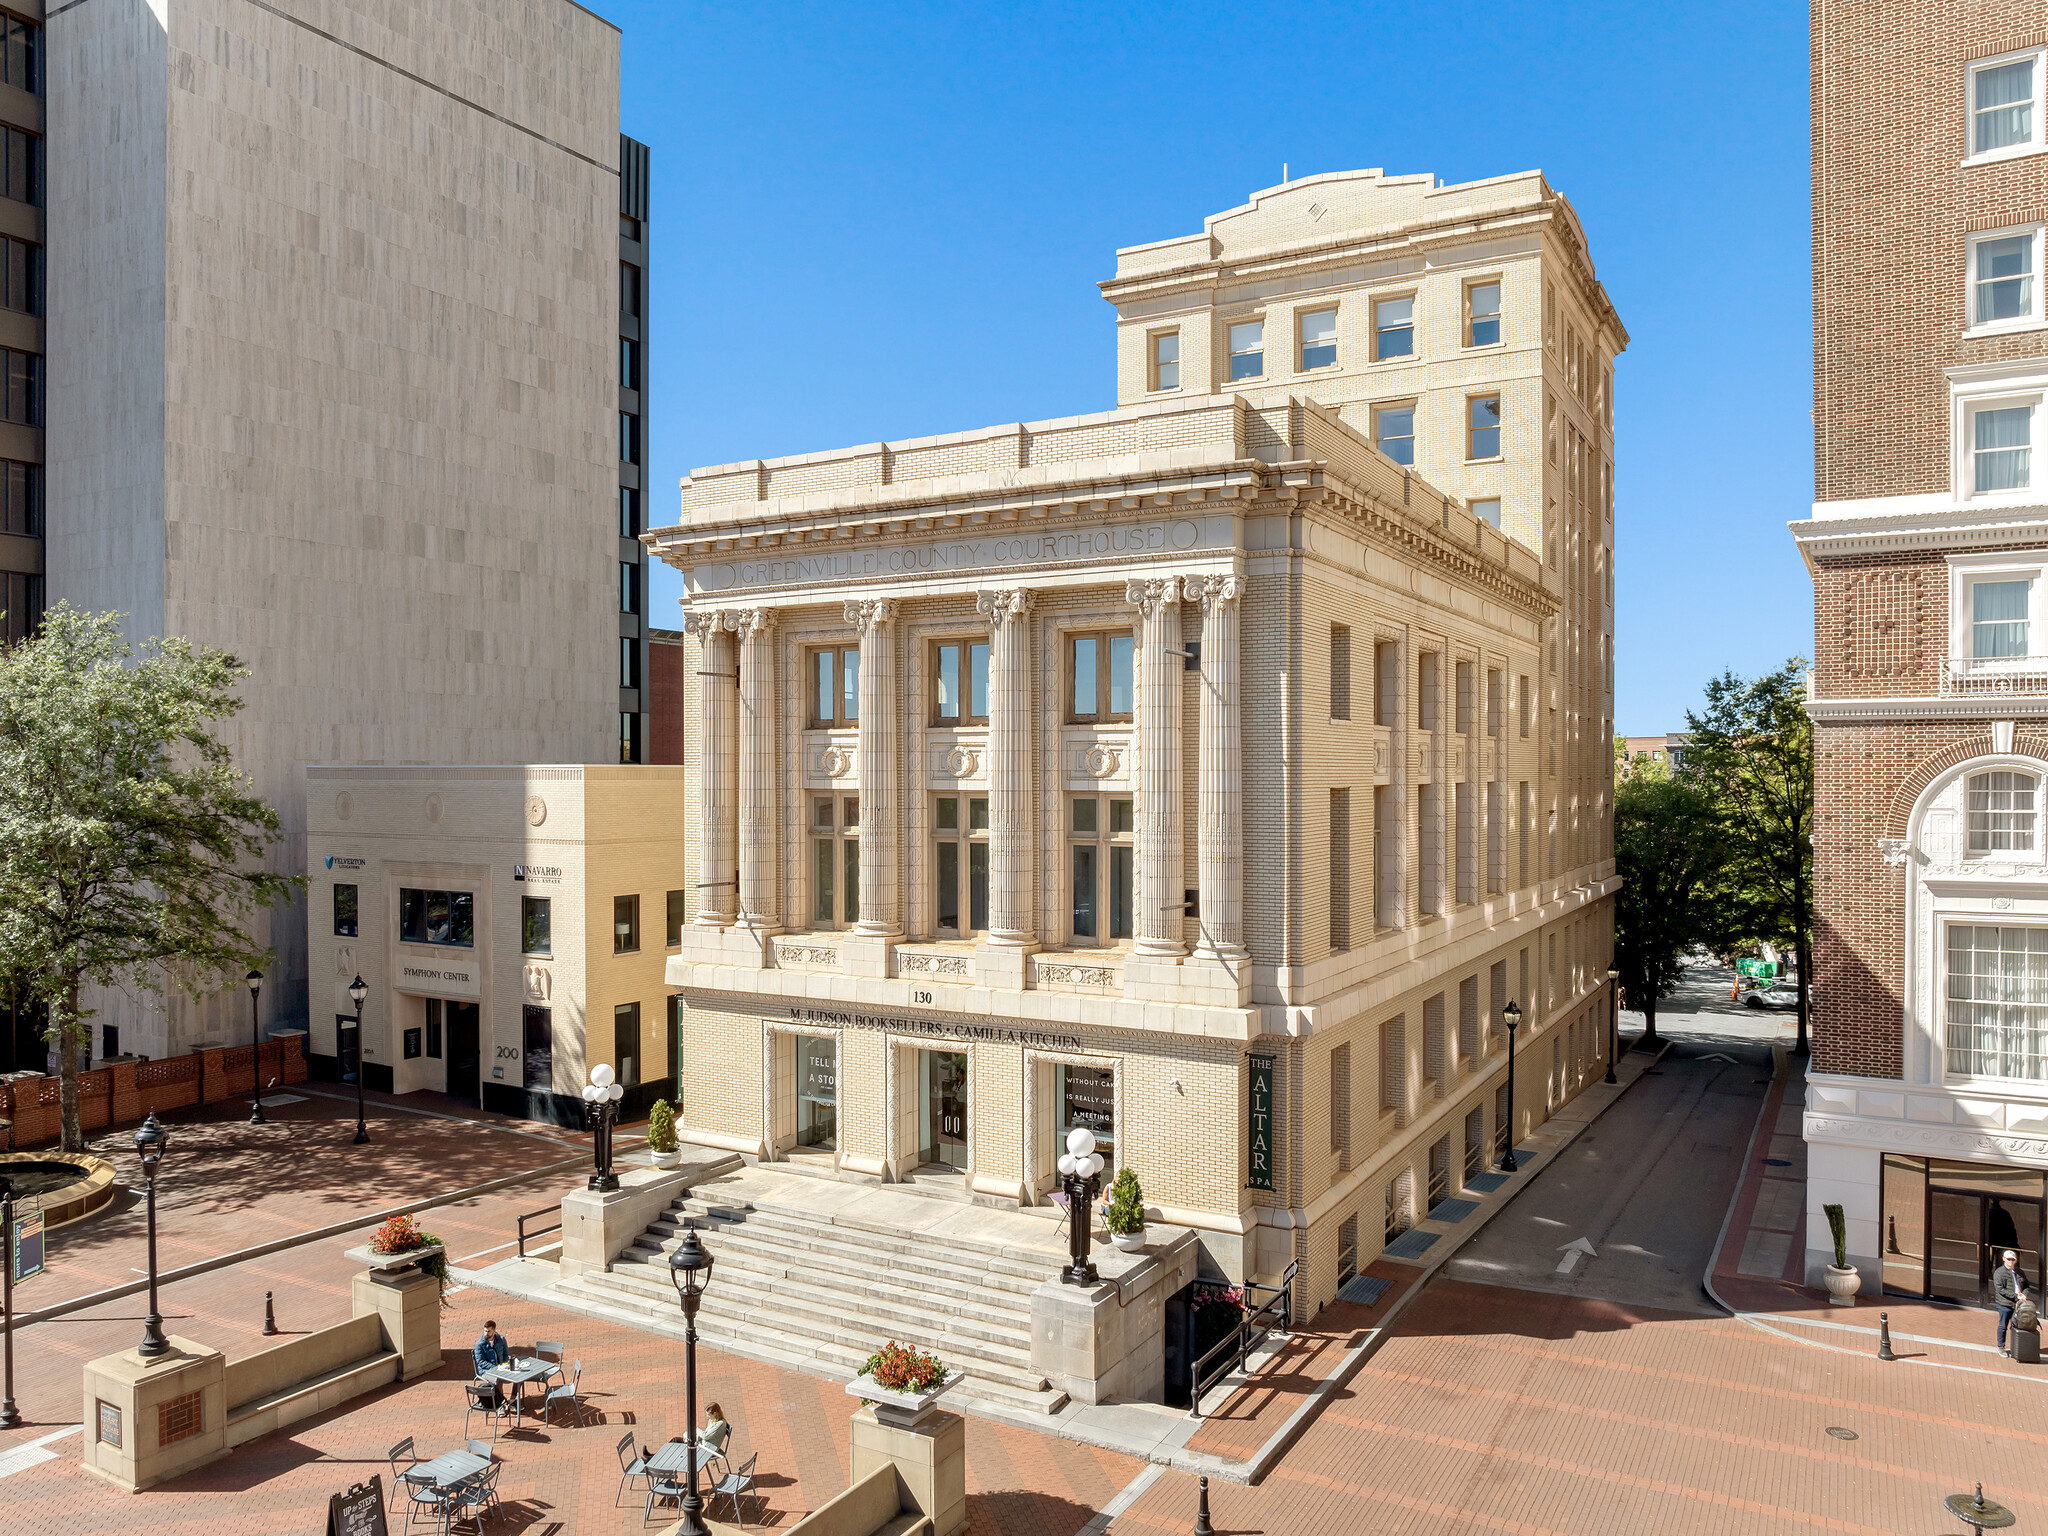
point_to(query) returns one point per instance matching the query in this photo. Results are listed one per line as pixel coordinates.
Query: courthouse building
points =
(1927, 1103)
(1210, 771)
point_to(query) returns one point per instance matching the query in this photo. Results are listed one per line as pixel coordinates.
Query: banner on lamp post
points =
(1261, 1162)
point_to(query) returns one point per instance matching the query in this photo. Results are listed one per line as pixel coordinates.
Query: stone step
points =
(798, 1243)
(866, 1242)
(712, 1196)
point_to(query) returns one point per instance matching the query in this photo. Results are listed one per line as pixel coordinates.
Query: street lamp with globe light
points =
(1081, 1167)
(151, 1141)
(601, 1095)
(1512, 1017)
(689, 1268)
(255, 980)
(1613, 1019)
(357, 991)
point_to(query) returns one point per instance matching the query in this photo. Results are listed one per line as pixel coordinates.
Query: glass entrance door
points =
(465, 1051)
(1955, 1249)
(942, 1114)
(817, 1092)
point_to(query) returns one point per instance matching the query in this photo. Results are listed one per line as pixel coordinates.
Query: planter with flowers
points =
(1215, 1313)
(400, 1244)
(661, 1135)
(903, 1383)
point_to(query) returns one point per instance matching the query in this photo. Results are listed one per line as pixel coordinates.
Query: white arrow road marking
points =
(1717, 1057)
(1578, 1248)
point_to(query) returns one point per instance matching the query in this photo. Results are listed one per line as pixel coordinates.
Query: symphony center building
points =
(1211, 771)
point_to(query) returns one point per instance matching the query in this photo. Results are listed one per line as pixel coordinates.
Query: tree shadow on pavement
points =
(1024, 1512)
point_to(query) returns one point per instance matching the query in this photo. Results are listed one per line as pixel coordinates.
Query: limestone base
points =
(407, 1304)
(1107, 1342)
(135, 1389)
(930, 1458)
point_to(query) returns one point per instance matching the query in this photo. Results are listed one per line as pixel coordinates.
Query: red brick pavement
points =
(562, 1479)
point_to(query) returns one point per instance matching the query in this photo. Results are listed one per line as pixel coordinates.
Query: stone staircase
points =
(831, 1289)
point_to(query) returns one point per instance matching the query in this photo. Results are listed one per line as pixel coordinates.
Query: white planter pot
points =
(1129, 1242)
(667, 1159)
(369, 1260)
(1843, 1284)
(902, 1408)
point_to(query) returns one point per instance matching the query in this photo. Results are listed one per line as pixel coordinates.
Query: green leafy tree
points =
(1668, 849)
(132, 850)
(1751, 753)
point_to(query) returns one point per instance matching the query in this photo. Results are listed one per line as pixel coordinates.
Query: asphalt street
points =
(1648, 1183)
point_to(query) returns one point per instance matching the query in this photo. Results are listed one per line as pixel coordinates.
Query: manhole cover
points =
(1840, 1433)
(1777, 1162)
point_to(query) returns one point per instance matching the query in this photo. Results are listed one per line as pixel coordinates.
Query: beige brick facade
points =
(1368, 649)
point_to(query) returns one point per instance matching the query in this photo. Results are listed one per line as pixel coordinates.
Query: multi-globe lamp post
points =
(1081, 1167)
(601, 1097)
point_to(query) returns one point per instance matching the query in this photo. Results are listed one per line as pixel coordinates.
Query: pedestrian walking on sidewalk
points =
(2008, 1286)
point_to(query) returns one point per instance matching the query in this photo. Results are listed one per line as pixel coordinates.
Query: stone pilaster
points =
(760, 907)
(1220, 788)
(718, 853)
(1012, 931)
(881, 914)
(1158, 842)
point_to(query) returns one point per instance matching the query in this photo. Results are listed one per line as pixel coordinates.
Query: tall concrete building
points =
(336, 330)
(1926, 1112)
(1210, 772)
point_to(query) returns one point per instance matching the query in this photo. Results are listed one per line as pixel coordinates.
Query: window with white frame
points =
(1393, 328)
(1997, 1000)
(2000, 810)
(1166, 360)
(1248, 349)
(1482, 314)
(1318, 339)
(2005, 279)
(1998, 618)
(835, 860)
(2005, 105)
(960, 825)
(1393, 431)
(2001, 448)
(1100, 853)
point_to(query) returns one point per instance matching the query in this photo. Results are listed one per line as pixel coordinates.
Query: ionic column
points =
(759, 832)
(717, 770)
(881, 913)
(1158, 838)
(1220, 787)
(1009, 767)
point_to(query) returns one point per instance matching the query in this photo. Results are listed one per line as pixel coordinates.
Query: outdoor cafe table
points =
(448, 1469)
(516, 1374)
(673, 1457)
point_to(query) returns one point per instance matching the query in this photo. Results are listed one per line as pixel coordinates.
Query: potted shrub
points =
(400, 1244)
(661, 1135)
(902, 1382)
(1842, 1279)
(1125, 1213)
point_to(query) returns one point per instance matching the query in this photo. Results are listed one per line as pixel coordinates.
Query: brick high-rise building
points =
(1927, 1103)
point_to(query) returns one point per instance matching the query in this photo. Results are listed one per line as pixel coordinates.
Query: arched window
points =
(2001, 812)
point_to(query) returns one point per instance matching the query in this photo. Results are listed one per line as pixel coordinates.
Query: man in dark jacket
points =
(492, 1351)
(2008, 1285)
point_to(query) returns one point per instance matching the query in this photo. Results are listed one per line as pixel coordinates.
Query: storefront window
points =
(534, 928)
(962, 848)
(537, 1025)
(1087, 1099)
(835, 860)
(626, 1044)
(817, 1092)
(437, 917)
(1945, 1225)
(345, 911)
(942, 1118)
(1101, 857)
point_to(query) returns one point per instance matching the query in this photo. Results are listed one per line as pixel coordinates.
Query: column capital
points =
(1212, 592)
(1005, 605)
(751, 621)
(870, 613)
(1153, 595)
(705, 622)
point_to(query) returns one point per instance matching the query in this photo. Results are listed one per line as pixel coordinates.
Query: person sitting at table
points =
(490, 1352)
(716, 1431)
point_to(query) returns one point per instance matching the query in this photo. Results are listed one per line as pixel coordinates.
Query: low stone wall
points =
(126, 1091)
(870, 1506)
(311, 1355)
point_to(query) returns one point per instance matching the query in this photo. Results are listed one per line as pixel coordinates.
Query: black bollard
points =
(269, 1317)
(1884, 1337)
(1202, 1525)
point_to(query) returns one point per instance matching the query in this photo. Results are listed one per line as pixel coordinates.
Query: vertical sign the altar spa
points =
(1261, 1164)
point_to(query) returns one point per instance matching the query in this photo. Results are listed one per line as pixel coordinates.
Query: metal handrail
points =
(524, 1233)
(1230, 1352)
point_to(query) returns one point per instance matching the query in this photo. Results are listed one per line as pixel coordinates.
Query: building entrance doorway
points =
(1947, 1223)
(942, 1108)
(817, 1092)
(465, 1051)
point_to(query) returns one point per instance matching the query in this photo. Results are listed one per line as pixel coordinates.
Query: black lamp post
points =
(690, 1268)
(1081, 1168)
(1613, 1020)
(150, 1143)
(601, 1097)
(10, 1415)
(1512, 1014)
(356, 993)
(255, 979)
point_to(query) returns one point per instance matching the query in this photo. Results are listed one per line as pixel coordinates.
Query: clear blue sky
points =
(882, 221)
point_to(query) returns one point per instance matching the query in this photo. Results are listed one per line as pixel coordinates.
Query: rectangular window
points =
(626, 1044)
(1482, 314)
(1998, 1002)
(629, 513)
(1487, 510)
(629, 588)
(1101, 856)
(1100, 685)
(835, 687)
(1166, 360)
(1493, 701)
(1482, 427)
(629, 438)
(2003, 111)
(2001, 448)
(2000, 812)
(961, 823)
(629, 662)
(1393, 432)
(1998, 618)
(21, 274)
(960, 683)
(625, 925)
(835, 860)
(21, 167)
(1340, 869)
(1248, 349)
(1462, 674)
(678, 916)
(437, 917)
(1428, 684)
(629, 371)
(21, 46)
(22, 402)
(1386, 670)
(2003, 281)
(345, 911)
(1340, 671)
(21, 499)
(537, 1032)
(1393, 328)
(629, 289)
(1318, 339)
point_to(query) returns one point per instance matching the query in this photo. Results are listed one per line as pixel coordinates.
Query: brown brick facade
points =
(1893, 206)
(668, 681)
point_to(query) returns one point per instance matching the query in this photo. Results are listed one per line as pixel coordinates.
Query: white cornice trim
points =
(1997, 706)
(1951, 525)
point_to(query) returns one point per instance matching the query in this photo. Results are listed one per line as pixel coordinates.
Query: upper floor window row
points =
(1099, 678)
(2005, 105)
(1317, 346)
